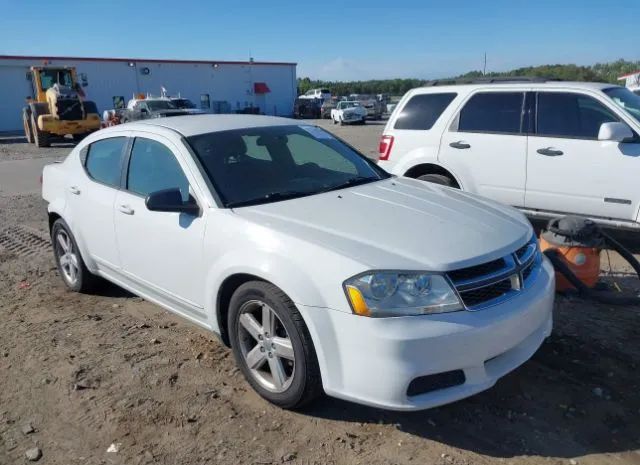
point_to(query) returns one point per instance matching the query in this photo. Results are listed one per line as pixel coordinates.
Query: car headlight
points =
(400, 293)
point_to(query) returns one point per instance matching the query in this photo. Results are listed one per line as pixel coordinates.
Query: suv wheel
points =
(438, 179)
(272, 345)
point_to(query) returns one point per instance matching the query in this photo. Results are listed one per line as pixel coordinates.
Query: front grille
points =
(472, 272)
(482, 285)
(484, 294)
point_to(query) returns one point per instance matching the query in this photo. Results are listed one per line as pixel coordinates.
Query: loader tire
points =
(41, 138)
(26, 123)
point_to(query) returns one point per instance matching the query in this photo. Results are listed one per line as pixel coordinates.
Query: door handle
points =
(126, 209)
(459, 145)
(74, 190)
(550, 152)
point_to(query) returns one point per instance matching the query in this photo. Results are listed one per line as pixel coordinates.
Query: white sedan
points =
(319, 269)
(348, 113)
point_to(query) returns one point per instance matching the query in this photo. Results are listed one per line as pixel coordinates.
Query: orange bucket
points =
(584, 262)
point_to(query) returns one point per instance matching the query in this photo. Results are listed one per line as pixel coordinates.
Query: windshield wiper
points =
(270, 197)
(350, 183)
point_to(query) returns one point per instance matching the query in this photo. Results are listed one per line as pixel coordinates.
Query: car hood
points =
(399, 222)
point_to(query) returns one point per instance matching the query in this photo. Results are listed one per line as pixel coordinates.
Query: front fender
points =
(274, 268)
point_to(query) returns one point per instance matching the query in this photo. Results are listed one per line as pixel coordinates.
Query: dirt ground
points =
(111, 379)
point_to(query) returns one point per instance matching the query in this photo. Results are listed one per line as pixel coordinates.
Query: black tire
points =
(438, 179)
(85, 281)
(79, 137)
(305, 384)
(26, 123)
(41, 138)
(364, 121)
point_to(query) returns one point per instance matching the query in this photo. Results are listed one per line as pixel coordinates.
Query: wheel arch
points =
(431, 168)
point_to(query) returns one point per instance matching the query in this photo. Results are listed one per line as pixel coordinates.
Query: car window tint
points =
(570, 115)
(153, 167)
(103, 160)
(492, 112)
(422, 111)
(305, 149)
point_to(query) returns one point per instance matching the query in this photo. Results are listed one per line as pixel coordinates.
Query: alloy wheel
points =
(67, 257)
(266, 347)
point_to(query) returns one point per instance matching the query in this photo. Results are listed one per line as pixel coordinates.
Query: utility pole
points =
(484, 67)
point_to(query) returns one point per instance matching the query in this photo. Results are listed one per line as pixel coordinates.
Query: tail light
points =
(384, 149)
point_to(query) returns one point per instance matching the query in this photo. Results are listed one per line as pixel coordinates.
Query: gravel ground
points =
(111, 379)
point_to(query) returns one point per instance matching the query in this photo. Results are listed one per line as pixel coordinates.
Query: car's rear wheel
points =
(70, 264)
(272, 345)
(438, 179)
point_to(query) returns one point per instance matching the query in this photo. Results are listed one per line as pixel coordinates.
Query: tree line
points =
(600, 72)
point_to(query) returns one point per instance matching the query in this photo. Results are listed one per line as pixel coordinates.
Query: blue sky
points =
(333, 40)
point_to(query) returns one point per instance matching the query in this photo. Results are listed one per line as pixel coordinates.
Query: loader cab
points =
(43, 79)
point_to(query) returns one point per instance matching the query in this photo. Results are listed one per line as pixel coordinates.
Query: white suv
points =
(548, 148)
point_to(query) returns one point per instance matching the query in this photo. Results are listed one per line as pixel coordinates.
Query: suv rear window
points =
(492, 112)
(422, 111)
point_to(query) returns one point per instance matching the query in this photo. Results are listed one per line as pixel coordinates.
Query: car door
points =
(569, 170)
(91, 195)
(161, 251)
(486, 146)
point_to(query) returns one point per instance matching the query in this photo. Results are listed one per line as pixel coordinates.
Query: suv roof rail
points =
(489, 80)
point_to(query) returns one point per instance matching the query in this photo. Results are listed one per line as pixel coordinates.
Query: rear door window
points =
(492, 112)
(103, 160)
(569, 115)
(422, 111)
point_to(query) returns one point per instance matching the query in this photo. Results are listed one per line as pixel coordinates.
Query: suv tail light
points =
(384, 149)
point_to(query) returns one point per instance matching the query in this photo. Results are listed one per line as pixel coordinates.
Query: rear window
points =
(492, 112)
(103, 160)
(422, 111)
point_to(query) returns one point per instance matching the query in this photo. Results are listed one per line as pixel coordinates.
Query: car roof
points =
(192, 125)
(519, 85)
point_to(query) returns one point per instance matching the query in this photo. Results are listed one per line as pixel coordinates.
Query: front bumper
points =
(373, 360)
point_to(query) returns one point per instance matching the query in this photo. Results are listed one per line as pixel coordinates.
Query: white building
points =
(632, 81)
(221, 86)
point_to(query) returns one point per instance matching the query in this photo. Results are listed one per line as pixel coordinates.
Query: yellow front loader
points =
(57, 107)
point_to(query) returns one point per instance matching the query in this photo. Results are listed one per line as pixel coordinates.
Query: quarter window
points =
(570, 115)
(153, 167)
(422, 111)
(103, 160)
(492, 112)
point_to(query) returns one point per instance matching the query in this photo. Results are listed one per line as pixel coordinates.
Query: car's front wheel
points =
(272, 345)
(70, 264)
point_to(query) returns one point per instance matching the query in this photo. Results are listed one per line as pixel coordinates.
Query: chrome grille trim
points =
(520, 269)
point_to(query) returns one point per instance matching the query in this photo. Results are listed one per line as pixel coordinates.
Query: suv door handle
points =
(74, 190)
(126, 209)
(550, 152)
(459, 145)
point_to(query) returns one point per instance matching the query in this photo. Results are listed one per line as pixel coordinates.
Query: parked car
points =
(140, 109)
(347, 112)
(319, 269)
(325, 109)
(370, 103)
(322, 94)
(548, 148)
(307, 108)
(186, 104)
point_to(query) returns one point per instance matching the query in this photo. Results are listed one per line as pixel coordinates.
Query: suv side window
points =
(153, 167)
(103, 160)
(492, 112)
(576, 116)
(422, 111)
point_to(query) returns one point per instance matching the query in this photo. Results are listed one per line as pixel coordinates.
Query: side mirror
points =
(170, 200)
(615, 132)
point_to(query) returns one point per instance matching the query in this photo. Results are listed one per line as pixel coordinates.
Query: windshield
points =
(157, 105)
(49, 77)
(183, 103)
(626, 100)
(263, 165)
(343, 105)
